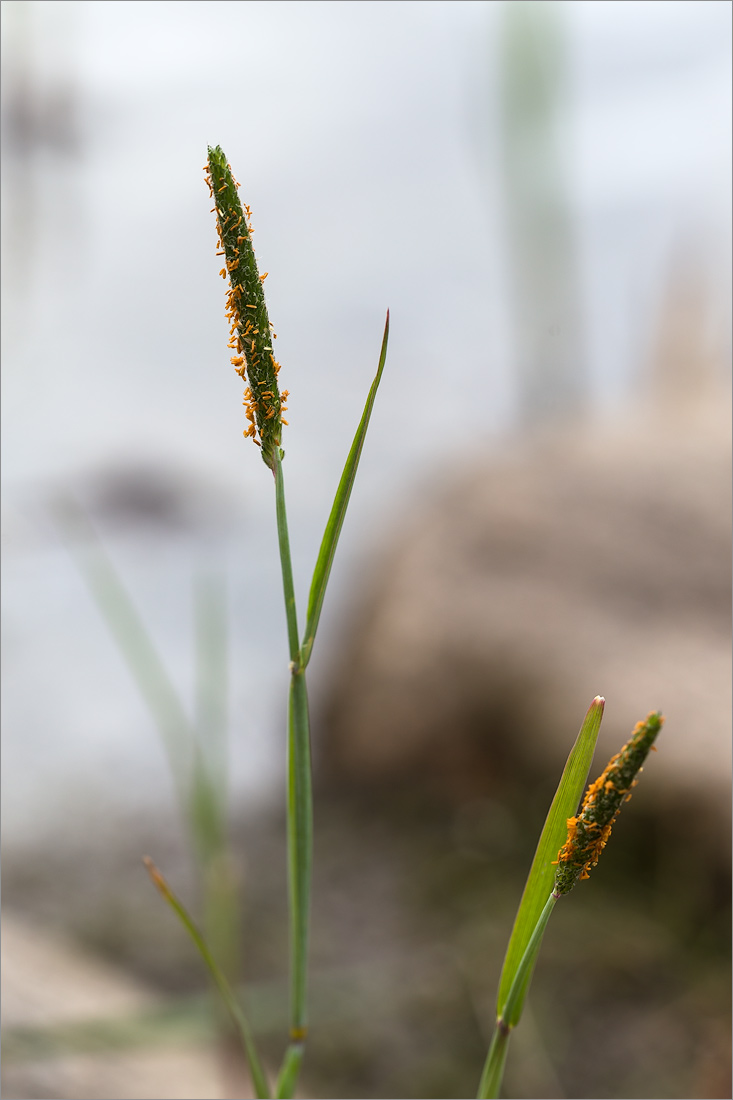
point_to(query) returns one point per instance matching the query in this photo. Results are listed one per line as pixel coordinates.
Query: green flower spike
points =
(588, 833)
(251, 335)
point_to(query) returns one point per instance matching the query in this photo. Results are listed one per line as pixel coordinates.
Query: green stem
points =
(287, 567)
(288, 1076)
(300, 810)
(300, 849)
(493, 1073)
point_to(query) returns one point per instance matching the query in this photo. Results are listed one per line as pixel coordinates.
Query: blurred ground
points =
(413, 903)
(77, 1026)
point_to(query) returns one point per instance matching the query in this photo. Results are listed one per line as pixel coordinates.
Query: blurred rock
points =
(591, 562)
(57, 999)
(49, 980)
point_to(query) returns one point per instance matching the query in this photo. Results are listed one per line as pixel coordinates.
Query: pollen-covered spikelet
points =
(250, 333)
(588, 833)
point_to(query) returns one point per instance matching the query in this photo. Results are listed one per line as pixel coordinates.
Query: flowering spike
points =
(251, 332)
(588, 833)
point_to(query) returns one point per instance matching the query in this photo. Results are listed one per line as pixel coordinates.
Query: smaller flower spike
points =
(588, 833)
(251, 335)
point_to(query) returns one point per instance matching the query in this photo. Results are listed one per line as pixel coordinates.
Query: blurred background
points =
(540, 193)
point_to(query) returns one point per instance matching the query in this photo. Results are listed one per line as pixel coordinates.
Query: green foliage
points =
(568, 846)
(542, 871)
(322, 571)
(230, 1000)
(585, 837)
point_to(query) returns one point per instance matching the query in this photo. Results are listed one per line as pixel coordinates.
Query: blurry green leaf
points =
(132, 637)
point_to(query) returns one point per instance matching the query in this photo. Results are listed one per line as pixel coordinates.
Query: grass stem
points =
(300, 810)
(283, 539)
(491, 1077)
(493, 1073)
(288, 1076)
(300, 849)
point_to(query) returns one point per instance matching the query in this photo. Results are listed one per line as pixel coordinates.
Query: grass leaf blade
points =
(212, 675)
(542, 873)
(326, 553)
(240, 1020)
(493, 1073)
(288, 1076)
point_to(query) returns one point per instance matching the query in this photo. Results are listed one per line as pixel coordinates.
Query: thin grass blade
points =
(542, 873)
(209, 767)
(326, 554)
(212, 675)
(239, 1019)
(133, 639)
(288, 1076)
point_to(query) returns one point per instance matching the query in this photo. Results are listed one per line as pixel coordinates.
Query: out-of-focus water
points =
(367, 140)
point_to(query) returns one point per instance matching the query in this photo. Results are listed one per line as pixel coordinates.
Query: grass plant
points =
(570, 842)
(196, 747)
(585, 837)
